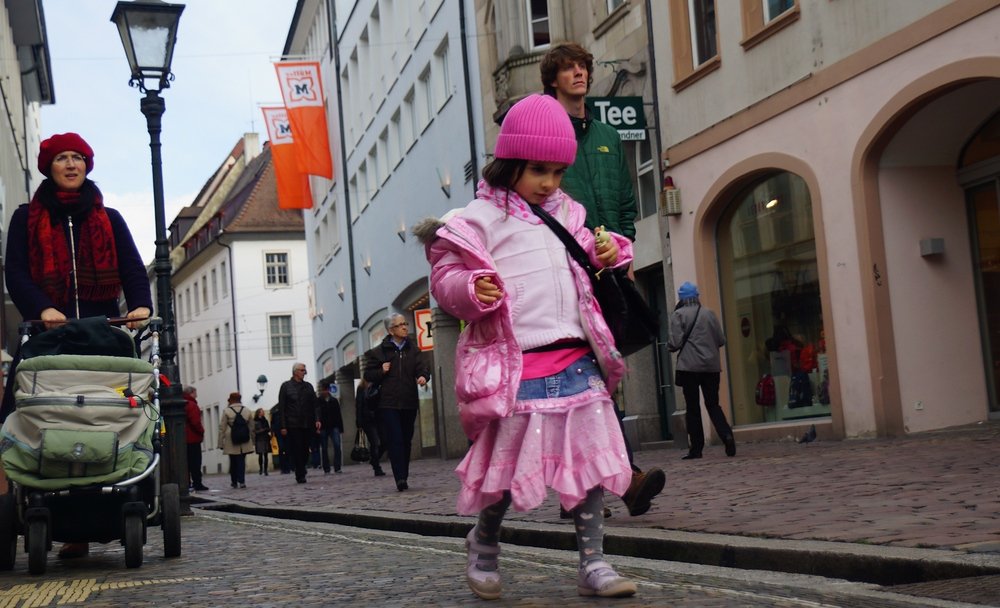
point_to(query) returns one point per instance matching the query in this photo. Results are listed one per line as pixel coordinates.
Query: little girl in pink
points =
(536, 363)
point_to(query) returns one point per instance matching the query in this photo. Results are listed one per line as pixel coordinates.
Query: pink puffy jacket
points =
(488, 358)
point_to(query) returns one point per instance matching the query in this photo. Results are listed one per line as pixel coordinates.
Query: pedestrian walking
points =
(194, 434)
(366, 415)
(261, 440)
(696, 336)
(398, 368)
(230, 441)
(536, 364)
(331, 431)
(299, 418)
(601, 183)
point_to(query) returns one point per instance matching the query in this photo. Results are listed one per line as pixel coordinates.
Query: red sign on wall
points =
(425, 330)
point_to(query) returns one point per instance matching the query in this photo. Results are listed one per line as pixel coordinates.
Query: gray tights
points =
(588, 519)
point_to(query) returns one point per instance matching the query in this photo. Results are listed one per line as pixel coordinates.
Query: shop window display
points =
(772, 314)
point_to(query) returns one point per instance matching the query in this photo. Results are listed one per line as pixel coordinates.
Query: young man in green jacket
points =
(599, 180)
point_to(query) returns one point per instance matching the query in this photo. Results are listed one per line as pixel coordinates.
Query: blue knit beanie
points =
(687, 291)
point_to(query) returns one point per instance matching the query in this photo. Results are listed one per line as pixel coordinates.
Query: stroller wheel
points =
(170, 506)
(8, 531)
(133, 540)
(38, 546)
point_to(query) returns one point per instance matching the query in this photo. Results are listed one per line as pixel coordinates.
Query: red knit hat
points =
(61, 143)
(537, 128)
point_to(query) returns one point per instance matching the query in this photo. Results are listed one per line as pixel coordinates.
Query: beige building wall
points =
(871, 104)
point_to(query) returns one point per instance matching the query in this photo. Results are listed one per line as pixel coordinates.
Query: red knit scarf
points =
(48, 248)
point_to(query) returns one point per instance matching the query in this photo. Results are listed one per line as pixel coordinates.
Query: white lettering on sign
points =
(614, 115)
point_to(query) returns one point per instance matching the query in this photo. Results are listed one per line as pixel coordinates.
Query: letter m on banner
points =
(302, 92)
(293, 184)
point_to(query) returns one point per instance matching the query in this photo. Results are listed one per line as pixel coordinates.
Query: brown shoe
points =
(74, 550)
(644, 487)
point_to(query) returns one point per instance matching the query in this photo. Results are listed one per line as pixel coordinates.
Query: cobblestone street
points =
(233, 560)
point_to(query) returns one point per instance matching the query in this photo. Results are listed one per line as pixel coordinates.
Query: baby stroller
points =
(82, 448)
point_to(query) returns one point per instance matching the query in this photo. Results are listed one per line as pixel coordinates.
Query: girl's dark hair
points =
(504, 172)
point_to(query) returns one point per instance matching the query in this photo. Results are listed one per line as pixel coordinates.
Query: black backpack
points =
(240, 429)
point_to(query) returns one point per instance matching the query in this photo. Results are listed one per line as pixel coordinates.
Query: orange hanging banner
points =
(302, 92)
(293, 184)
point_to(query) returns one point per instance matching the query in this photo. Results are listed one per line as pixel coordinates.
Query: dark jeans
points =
(194, 464)
(298, 449)
(338, 454)
(238, 468)
(708, 384)
(314, 450)
(397, 433)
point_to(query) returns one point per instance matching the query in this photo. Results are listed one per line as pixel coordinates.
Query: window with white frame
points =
(410, 124)
(229, 345)
(383, 155)
(208, 352)
(215, 286)
(218, 350)
(395, 141)
(539, 33)
(276, 269)
(613, 4)
(279, 335)
(197, 298)
(187, 303)
(204, 290)
(374, 177)
(440, 76)
(177, 306)
(640, 163)
(704, 45)
(356, 207)
(225, 279)
(774, 8)
(426, 98)
(201, 363)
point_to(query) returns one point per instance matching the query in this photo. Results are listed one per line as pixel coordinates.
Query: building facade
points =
(26, 84)
(241, 301)
(405, 132)
(838, 170)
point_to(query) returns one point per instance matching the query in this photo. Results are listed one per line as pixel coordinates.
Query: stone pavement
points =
(860, 501)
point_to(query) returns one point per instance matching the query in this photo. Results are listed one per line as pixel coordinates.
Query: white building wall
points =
(243, 305)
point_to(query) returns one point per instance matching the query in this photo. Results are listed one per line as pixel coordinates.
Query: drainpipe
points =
(667, 366)
(468, 93)
(232, 299)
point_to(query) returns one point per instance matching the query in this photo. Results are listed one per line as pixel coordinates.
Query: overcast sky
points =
(223, 69)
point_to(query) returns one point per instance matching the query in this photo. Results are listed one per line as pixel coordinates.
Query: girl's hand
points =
(605, 246)
(486, 291)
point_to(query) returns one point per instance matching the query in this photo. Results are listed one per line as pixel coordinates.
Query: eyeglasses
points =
(403, 324)
(66, 159)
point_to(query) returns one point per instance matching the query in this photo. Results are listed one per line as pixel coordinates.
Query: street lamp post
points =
(148, 29)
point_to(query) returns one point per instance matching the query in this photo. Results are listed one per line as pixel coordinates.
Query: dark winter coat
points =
(329, 414)
(31, 300)
(599, 179)
(298, 405)
(399, 386)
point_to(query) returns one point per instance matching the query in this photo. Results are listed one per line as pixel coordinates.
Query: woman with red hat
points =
(69, 256)
(67, 217)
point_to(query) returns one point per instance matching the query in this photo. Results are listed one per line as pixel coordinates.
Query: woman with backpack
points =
(235, 438)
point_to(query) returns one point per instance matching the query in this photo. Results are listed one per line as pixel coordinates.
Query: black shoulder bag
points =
(630, 319)
(678, 374)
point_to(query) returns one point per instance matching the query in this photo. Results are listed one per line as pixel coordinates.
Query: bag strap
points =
(573, 248)
(687, 334)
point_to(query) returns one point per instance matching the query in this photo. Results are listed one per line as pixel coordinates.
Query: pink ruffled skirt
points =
(570, 444)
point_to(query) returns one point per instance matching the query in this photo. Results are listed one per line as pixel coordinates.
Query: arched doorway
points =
(771, 303)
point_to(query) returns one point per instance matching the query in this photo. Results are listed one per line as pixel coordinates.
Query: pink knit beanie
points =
(537, 128)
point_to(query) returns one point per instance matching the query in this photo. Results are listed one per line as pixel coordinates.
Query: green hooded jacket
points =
(599, 179)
